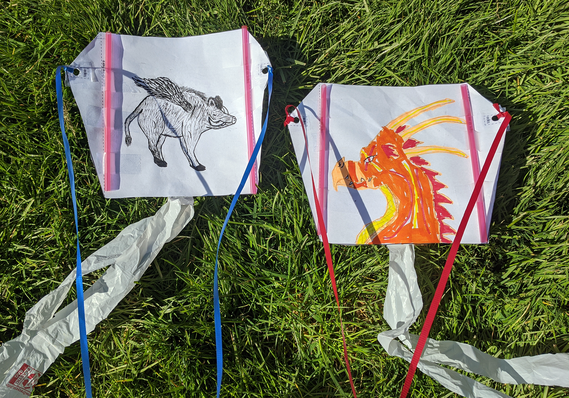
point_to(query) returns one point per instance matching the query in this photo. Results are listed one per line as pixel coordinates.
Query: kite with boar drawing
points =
(391, 163)
(179, 112)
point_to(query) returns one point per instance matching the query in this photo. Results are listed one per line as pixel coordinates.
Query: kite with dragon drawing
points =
(423, 166)
(414, 175)
(396, 164)
(391, 164)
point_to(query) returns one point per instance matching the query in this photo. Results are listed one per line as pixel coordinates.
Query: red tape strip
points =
(452, 254)
(324, 235)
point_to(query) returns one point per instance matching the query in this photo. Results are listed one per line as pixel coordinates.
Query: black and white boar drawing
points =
(176, 111)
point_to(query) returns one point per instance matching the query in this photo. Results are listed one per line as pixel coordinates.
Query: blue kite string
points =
(79, 275)
(216, 311)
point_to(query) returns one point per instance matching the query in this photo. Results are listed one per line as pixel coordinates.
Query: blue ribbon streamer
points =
(79, 275)
(216, 312)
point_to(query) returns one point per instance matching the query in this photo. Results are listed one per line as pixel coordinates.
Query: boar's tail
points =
(128, 121)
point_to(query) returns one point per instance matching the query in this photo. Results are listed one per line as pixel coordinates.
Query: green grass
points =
(281, 332)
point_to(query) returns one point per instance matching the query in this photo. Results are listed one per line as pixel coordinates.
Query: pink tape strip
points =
(249, 105)
(107, 105)
(322, 158)
(475, 162)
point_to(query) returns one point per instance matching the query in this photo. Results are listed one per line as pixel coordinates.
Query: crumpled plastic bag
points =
(403, 304)
(46, 333)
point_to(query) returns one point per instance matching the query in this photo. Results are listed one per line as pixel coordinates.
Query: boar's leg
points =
(157, 152)
(152, 125)
(188, 143)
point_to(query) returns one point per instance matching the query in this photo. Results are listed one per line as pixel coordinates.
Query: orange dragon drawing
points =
(391, 163)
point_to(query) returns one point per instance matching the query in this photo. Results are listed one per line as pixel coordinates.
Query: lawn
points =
(281, 333)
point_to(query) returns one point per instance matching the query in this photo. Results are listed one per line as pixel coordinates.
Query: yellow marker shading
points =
(407, 133)
(404, 118)
(421, 150)
(415, 195)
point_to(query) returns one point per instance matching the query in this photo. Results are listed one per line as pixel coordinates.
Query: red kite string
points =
(452, 254)
(324, 235)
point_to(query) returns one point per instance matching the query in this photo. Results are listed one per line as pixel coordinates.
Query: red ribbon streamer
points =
(452, 254)
(324, 235)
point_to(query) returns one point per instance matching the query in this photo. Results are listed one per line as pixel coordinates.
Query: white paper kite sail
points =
(171, 116)
(397, 164)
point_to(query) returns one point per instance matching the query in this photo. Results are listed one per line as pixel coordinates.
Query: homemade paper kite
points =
(168, 117)
(171, 116)
(393, 165)
(397, 164)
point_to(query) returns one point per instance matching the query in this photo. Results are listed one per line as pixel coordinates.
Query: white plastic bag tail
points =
(46, 333)
(403, 303)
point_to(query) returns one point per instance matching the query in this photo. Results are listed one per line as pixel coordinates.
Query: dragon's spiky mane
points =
(392, 163)
(441, 212)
